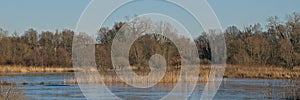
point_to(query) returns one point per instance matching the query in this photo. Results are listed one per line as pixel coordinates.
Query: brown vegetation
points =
(250, 52)
(261, 72)
(11, 92)
(23, 69)
(232, 71)
(278, 46)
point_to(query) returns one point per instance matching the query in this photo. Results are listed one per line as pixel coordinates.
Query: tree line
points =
(34, 49)
(276, 45)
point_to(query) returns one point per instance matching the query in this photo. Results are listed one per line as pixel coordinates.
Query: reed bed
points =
(11, 92)
(110, 77)
(232, 71)
(172, 76)
(261, 72)
(23, 69)
(287, 90)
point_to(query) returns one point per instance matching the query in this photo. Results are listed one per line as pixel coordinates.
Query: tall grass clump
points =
(11, 92)
(24, 69)
(285, 90)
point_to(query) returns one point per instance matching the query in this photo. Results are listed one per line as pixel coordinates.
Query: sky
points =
(50, 15)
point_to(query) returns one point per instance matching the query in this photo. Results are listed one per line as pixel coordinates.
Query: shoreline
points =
(32, 69)
(232, 71)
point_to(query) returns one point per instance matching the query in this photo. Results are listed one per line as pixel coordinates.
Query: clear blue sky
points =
(20, 15)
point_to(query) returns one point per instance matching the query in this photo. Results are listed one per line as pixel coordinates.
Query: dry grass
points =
(261, 72)
(110, 77)
(288, 91)
(232, 71)
(22, 69)
(11, 92)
